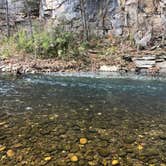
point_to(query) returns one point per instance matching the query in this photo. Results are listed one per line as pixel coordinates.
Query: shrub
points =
(44, 44)
(23, 41)
(54, 44)
(8, 47)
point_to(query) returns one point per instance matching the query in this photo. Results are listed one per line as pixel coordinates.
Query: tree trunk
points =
(84, 19)
(7, 18)
(41, 10)
(29, 18)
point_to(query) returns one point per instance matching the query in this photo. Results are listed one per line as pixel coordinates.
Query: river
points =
(82, 119)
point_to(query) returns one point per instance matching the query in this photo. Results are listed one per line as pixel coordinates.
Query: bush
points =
(8, 47)
(24, 42)
(48, 44)
(44, 44)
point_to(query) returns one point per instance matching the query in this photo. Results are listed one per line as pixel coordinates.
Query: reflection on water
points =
(120, 120)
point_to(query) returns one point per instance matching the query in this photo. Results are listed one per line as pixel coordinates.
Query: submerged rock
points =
(162, 136)
(10, 153)
(2, 148)
(83, 141)
(104, 152)
(150, 152)
(129, 139)
(47, 158)
(74, 158)
(115, 162)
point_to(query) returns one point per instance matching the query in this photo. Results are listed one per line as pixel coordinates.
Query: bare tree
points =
(41, 9)
(29, 18)
(103, 14)
(84, 19)
(7, 18)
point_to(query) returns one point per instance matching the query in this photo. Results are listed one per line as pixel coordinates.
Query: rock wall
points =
(113, 16)
(101, 15)
(119, 17)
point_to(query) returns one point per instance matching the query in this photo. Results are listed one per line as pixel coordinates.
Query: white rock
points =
(109, 68)
(161, 65)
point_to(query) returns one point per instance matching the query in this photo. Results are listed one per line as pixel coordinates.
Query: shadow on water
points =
(43, 117)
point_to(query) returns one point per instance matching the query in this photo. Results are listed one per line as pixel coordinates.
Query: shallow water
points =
(43, 117)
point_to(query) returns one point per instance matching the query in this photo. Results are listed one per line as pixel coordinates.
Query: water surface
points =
(122, 119)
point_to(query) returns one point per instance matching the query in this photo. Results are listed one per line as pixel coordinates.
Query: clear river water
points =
(87, 120)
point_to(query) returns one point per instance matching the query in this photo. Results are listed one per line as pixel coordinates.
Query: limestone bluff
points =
(118, 17)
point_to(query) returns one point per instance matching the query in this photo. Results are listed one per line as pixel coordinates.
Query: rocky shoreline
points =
(149, 64)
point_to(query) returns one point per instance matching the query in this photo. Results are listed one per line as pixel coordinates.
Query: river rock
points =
(2, 148)
(106, 68)
(163, 148)
(162, 136)
(47, 158)
(115, 162)
(104, 152)
(129, 139)
(147, 61)
(150, 152)
(102, 143)
(74, 158)
(83, 141)
(61, 162)
(10, 153)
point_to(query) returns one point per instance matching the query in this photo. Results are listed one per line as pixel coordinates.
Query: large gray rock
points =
(145, 61)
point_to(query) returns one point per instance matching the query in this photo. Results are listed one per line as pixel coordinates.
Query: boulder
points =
(145, 61)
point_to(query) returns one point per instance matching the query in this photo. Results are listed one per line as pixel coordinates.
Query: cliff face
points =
(113, 16)
(118, 17)
(100, 15)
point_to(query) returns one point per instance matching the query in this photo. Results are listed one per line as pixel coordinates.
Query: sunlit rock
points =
(115, 162)
(47, 158)
(10, 153)
(2, 148)
(109, 68)
(74, 158)
(83, 141)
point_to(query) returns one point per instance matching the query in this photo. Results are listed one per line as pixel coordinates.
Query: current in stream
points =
(85, 121)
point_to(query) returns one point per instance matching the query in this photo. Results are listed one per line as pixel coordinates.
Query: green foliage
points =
(44, 44)
(7, 47)
(110, 50)
(23, 42)
(54, 44)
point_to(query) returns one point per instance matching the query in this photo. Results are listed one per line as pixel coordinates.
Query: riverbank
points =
(145, 62)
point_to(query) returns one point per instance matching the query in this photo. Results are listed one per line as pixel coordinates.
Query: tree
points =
(41, 10)
(7, 18)
(27, 10)
(84, 19)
